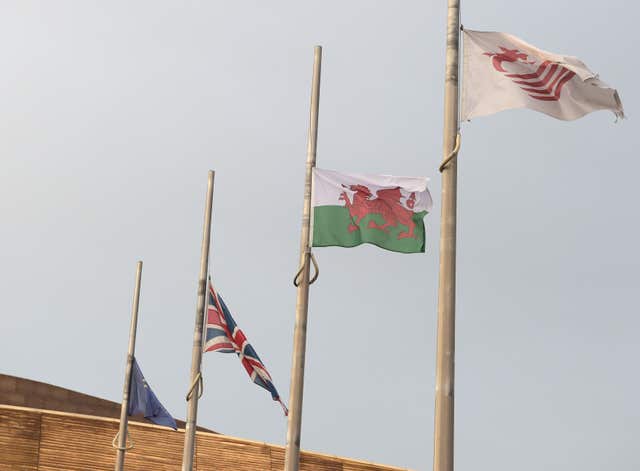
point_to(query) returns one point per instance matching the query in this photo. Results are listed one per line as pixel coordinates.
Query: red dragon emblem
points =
(386, 203)
(544, 84)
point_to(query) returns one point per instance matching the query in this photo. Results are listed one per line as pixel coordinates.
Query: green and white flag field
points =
(352, 209)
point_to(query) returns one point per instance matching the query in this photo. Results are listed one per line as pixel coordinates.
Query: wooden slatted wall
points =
(19, 440)
(37, 440)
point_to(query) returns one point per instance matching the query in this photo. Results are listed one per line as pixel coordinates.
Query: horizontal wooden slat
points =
(38, 440)
(85, 444)
(154, 449)
(314, 462)
(75, 444)
(219, 453)
(19, 440)
(277, 458)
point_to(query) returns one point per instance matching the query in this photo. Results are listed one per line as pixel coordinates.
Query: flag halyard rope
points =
(126, 447)
(316, 269)
(197, 382)
(452, 155)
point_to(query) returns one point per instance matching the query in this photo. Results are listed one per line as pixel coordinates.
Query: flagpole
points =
(195, 389)
(122, 431)
(445, 355)
(292, 450)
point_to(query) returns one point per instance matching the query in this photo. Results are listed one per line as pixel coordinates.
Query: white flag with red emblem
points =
(502, 72)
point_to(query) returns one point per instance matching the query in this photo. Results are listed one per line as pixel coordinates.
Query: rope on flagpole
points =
(127, 447)
(452, 155)
(196, 382)
(296, 282)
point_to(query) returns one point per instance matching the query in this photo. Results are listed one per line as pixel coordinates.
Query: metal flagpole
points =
(195, 389)
(122, 432)
(445, 355)
(292, 451)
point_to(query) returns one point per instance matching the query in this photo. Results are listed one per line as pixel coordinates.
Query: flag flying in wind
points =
(502, 72)
(223, 335)
(351, 209)
(143, 401)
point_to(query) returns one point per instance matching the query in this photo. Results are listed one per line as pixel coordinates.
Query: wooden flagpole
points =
(292, 450)
(195, 389)
(445, 355)
(122, 431)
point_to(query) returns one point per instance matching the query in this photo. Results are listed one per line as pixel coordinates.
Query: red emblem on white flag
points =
(503, 72)
(545, 83)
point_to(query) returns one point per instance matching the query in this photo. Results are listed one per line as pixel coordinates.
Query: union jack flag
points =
(223, 335)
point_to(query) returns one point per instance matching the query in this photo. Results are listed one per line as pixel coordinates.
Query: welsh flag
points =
(503, 72)
(352, 209)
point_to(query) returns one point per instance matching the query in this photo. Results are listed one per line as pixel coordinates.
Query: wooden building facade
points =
(41, 439)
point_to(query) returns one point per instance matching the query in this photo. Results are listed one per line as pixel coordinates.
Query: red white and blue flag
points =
(223, 335)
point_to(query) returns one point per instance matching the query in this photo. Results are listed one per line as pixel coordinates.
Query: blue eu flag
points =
(143, 401)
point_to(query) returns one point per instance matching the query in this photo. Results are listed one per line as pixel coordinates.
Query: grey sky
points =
(112, 112)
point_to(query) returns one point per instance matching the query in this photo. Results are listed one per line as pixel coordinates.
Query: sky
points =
(112, 113)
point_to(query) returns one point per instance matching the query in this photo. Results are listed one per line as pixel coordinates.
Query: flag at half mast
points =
(223, 335)
(503, 72)
(383, 210)
(142, 400)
